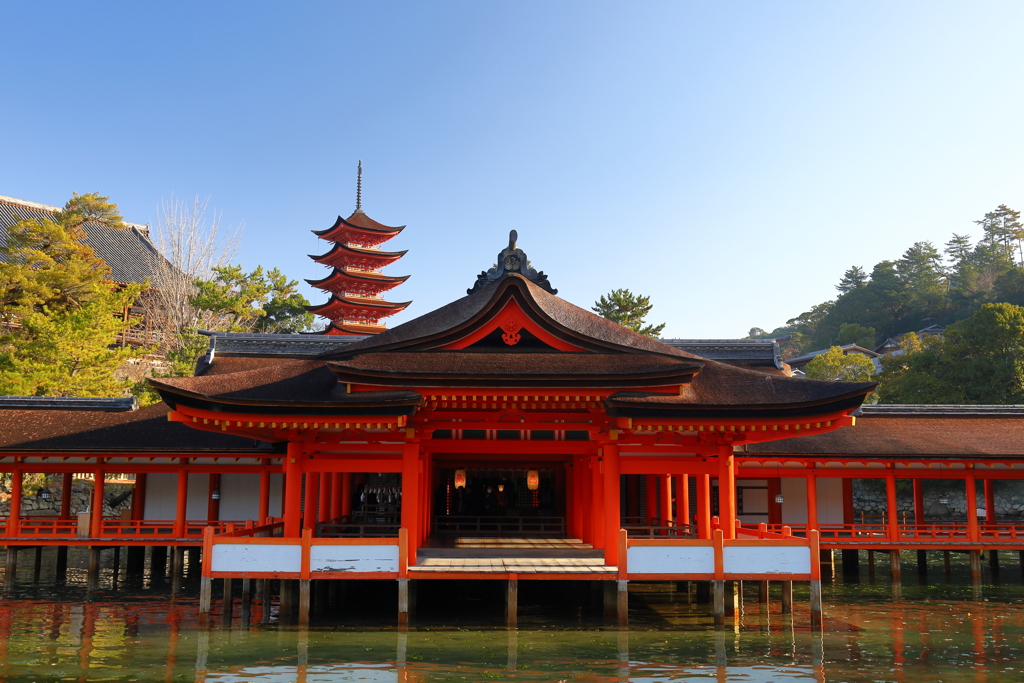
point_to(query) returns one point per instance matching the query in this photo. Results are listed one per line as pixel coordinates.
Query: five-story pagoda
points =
(356, 284)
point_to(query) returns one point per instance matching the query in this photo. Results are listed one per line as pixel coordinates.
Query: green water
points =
(946, 630)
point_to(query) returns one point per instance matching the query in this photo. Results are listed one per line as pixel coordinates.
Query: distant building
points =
(892, 344)
(800, 362)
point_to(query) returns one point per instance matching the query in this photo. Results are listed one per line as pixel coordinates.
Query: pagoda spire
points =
(356, 283)
(359, 187)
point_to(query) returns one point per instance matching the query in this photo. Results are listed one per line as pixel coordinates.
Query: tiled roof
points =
(750, 352)
(129, 253)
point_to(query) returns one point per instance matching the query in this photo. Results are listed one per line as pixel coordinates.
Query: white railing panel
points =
(353, 558)
(245, 557)
(671, 560)
(767, 559)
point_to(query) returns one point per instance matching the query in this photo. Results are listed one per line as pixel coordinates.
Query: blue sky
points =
(731, 160)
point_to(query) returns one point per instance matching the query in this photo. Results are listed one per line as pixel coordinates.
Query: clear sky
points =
(730, 159)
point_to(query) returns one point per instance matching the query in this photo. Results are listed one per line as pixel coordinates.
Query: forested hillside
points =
(925, 286)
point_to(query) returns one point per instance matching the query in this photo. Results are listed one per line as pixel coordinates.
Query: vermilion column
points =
(727, 490)
(312, 494)
(973, 533)
(14, 517)
(586, 505)
(812, 501)
(410, 494)
(569, 491)
(181, 503)
(138, 497)
(666, 500)
(597, 502)
(891, 512)
(264, 505)
(612, 504)
(683, 499)
(292, 511)
(346, 494)
(704, 506)
(990, 501)
(96, 520)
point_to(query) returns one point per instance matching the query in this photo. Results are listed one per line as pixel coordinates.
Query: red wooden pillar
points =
(973, 533)
(585, 498)
(410, 494)
(68, 482)
(891, 513)
(138, 497)
(96, 520)
(336, 495)
(704, 506)
(213, 504)
(612, 504)
(597, 502)
(181, 503)
(264, 505)
(569, 491)
(918, 501)
(346, 494)
(651, 486)
(325, 496)
(812, 501)
(666, 500)
(990, 501)
(292, 504)
(683, 498)
(14, 517)
(727, 490)
(312, 493)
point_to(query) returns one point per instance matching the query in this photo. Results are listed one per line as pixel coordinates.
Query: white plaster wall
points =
(246, 557)
(353, 558)
(767, 560)
(794, 500)
(240, 496)
(830, 501)
(671, 560)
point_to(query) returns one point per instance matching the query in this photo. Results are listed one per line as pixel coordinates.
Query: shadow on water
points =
(942, 629)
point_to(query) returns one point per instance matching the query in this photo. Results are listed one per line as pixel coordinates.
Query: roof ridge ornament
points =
(512, 259)
(359, 187)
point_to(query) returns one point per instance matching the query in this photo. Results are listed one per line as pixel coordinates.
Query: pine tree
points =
(853, 278)
(629, 310)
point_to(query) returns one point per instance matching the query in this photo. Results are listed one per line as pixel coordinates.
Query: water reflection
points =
(945, 632)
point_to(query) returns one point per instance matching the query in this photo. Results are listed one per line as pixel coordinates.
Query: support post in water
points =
(303, 602)
(762, 595)
(512, 602)
(975, 556)
(718, 590)
(11, 568)
(787, 597)
(228, 602)
(816, 613)
(37, 565)
(403, 602)
(895, 570)
(177, 568)
(622, 602)
(92, 577)
(205, 589)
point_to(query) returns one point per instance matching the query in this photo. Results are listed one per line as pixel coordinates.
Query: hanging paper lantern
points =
(501, 488)
(533, 480)
(778, 498)
(460, 479)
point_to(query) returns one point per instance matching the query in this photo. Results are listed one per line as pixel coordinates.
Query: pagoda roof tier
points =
(344, 256)
(360, 229)
(343, 282)
(510, 332)
(352, 329)
(356, 308)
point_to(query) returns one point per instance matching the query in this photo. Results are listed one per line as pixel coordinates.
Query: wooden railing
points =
(959, 532)
(659, 531)
(344, 529)
(113, 528)
(500, 526)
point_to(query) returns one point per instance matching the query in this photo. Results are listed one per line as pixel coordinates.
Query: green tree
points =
(62, 314)
(853, 278)
(629, 310)
(834, 365)
(979, 360)
(853, 333)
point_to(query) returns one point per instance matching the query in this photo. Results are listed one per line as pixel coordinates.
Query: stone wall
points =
(869, 499)
(81, 499)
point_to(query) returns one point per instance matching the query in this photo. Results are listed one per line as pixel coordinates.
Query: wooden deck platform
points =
(510, 556)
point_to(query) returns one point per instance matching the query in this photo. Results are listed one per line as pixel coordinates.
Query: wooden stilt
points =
(158, 564)
(37, 565)
(922, 565)
(205, 591)
(92, 577)
(286, 601)
(895, 570)
(117, 567)
(816, 614)
(135, 564)
(871, 566)
(263, 587)
(177, 569)
(622, 602)
(304, 602)
(512, 603)
(11, 569)
(787, 597)
(611, 598)
(61, 566)
(762, 595)
(403, 602)
(945, 564)
(702, 594)
(246, 599)
(228, 603)
(718, 589)
(993, 563)
(975, 557)
(733, 591)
